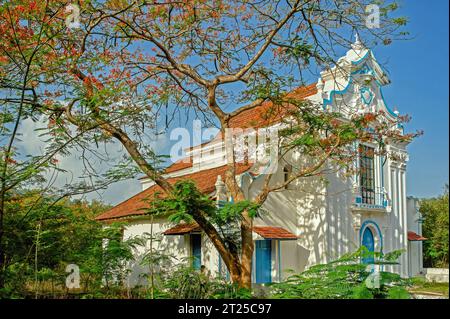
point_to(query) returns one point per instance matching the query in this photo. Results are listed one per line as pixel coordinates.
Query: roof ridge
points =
(204, 184)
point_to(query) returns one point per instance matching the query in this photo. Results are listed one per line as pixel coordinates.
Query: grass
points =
(420, 285)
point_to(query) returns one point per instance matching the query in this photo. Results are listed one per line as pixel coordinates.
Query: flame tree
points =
(130, 64)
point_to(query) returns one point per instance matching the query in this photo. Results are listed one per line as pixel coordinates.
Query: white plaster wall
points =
(396, 188)
(210, 256)
(299, 209)
(175, 246)
(341, 236)
(414, 247)
(344, 224)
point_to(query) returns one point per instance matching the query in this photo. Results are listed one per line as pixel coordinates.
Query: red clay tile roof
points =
(412, 236)
(205, 181)
(266, 114)
(182, 229)
(179, 165)
(271, 232)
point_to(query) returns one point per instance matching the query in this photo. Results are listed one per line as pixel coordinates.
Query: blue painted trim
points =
(363, 58)
(340, 92)
(365, 69)
(384, 197)
(371, 206)
(370, 99)
(221, 203)
(334, 92)
(384, 101)
(196, 245)
(368, 241)
(364, 226)
(263, 262)
(355, 175)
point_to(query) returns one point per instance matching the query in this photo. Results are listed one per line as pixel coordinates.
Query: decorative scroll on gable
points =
(355, 84)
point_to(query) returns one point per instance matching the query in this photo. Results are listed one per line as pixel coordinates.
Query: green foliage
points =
(401, 21)
(362, 292)
(184, 202)
(420, 285)
(307, 140)
(115, 254)
(187, 283)
(300, 50)
(233, 211)
(43, 236)
(65, 228)
(68, 234)
(398, 293)
(16, 276)
(435, 212)
(156, 260)
(52, 233)
(345, 278)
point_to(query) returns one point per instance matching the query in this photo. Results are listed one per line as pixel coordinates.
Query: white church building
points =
(309, 222)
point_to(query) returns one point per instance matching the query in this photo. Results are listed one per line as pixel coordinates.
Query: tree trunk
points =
(245, 264)
(2, 262)
(247, 251)
(2, 249)
(152, 276)
(230, 258)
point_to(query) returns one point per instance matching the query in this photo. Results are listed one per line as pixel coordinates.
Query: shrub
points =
(435, 227)
(188, 283)
(345, 278)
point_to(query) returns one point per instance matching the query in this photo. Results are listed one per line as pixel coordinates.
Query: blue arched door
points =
(369, 243)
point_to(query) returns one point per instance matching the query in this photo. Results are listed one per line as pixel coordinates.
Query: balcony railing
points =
(376, 198)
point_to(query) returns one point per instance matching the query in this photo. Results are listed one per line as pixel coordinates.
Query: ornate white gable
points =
(355, 84)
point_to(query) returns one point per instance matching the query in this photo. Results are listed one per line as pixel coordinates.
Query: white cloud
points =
(32, 144)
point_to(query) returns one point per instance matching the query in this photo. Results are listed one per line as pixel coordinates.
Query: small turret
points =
(358, 45)
(221, 193)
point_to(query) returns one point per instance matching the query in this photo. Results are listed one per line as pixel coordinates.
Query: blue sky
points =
(419, 72)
